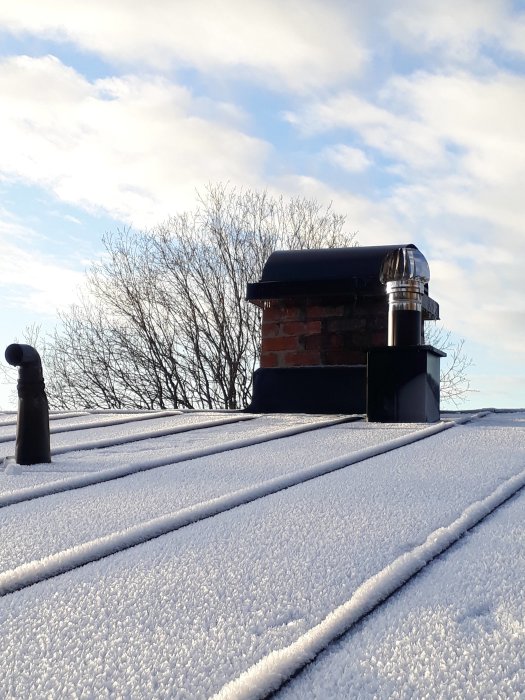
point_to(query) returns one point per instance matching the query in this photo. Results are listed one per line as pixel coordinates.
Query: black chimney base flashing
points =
(403, 384)
(325, 389)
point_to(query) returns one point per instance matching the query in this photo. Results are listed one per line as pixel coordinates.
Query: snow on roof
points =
(192, 554)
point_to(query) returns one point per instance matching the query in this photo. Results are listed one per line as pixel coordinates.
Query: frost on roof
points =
(459, 625)
(186, 613)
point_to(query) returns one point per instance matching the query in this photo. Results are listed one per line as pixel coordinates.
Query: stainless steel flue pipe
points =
(405, 272)
(32, 430)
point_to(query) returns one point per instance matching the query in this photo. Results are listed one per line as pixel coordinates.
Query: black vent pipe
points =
(32, 430)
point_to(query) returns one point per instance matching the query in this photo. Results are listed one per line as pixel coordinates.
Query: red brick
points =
(269, 359)
(337, 325)
(280, 343)
(378, 321)
(357, 357)
(293, 313)
(313, 327)
(311, 342)
(285, 313)
(301, 328)
(300, 359)
(293, 328)
(272, 313)
(271, 330)
(344, 357)
(317, 311)
(378, 339)
(335, 341)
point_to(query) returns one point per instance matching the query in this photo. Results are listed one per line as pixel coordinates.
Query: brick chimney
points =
(319, 332)
(322, 310)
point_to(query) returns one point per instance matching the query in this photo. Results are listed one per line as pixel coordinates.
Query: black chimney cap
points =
(328, 272)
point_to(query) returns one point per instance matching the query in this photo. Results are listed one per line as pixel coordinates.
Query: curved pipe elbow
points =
(32, 429)
(20, 355)
(29, 364)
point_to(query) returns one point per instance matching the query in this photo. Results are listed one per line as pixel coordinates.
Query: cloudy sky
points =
(407, 115)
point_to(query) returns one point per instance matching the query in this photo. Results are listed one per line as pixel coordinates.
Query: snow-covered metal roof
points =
(192, 554)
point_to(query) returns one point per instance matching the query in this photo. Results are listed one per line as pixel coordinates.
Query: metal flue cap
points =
(403, 265)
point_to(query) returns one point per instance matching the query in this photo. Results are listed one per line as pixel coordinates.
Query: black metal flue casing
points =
(402, 384)
(331, 272)
(32, 431)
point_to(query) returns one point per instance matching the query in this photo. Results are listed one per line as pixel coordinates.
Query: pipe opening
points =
(14, 354)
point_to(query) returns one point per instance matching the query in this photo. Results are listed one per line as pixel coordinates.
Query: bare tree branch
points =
(165, 323)
(454, 381)
(32, 335)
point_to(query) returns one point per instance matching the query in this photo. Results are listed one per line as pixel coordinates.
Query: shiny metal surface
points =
(404, 264)
(405, 295)
(404, 272)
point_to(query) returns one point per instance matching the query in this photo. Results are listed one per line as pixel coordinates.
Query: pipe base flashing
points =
(403, 384)
(316, 389)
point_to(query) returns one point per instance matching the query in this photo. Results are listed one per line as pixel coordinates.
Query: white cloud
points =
(296, 44)
(479, 116)
(30, 280)
(515, 34)
(353, 160)
(136, 148)
(454, 31)
(395, 135)
(481, 300)
(434, 123)
(373, 222)
(441, 147)
(459, 140)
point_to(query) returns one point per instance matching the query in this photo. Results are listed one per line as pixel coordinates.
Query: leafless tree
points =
(32, 335)
(164, 322)
(454, 380)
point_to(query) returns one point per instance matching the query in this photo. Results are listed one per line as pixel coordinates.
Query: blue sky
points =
(408, 116)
